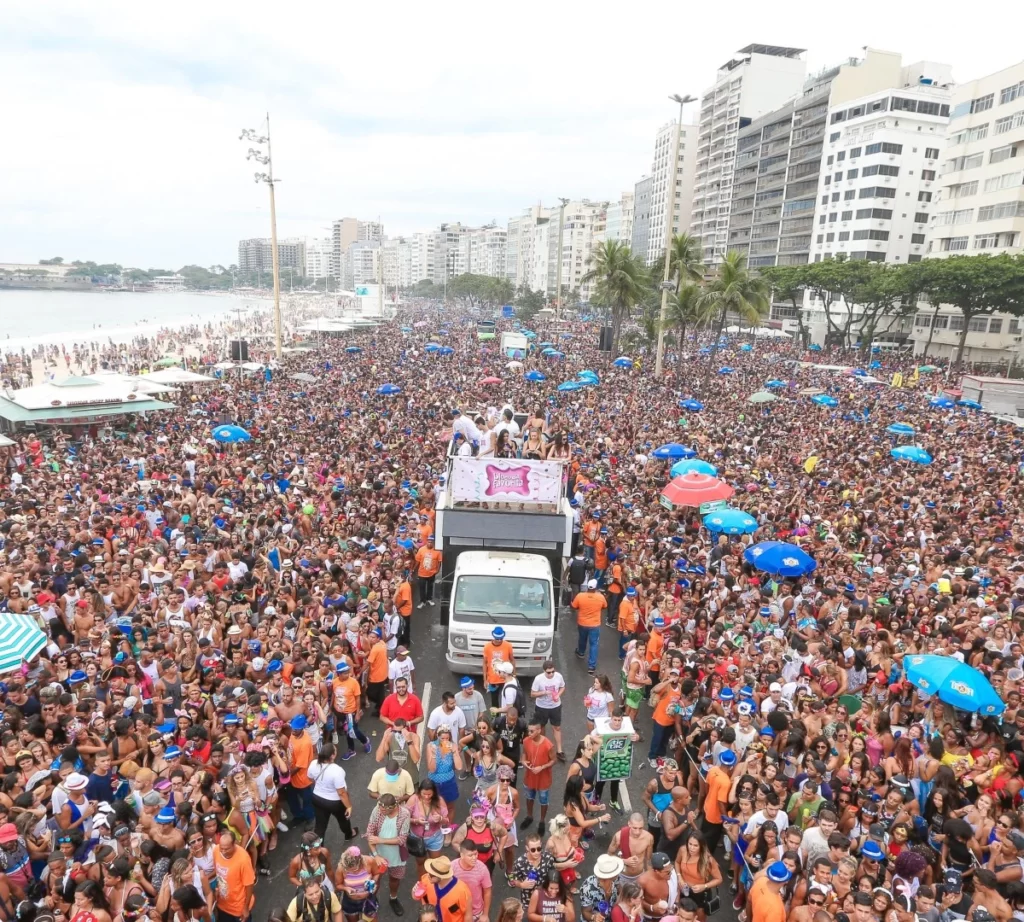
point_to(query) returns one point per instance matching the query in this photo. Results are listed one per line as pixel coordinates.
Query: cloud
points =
(121, 120)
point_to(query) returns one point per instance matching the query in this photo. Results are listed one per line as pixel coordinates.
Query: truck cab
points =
(504, 529)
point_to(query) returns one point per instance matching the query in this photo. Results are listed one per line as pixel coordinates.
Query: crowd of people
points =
(228, 625)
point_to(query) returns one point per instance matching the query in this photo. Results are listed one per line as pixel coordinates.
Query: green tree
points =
(685, 260)
(687, 310)
(835, 283)
(528, 303)
(788, 283)
(735, 290)
(886, 294)
(620, 281)
(977, 285)
(55, 261)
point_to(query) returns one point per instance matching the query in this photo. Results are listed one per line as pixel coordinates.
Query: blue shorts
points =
(448, 790)
(542, 796)
(435, 842)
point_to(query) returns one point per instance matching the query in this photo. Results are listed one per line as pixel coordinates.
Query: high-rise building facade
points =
(978, 209)
(641, 230)
(257, 254)
(757, 80)
(521, 246)
(483, 251)
(345, 232)
(318, 257)
(665, 181)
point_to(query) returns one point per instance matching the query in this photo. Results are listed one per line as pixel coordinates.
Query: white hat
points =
(608, 867)
(270, 610)
(774, 687)
(503, 668)
(76, 782)
(592, 584)
(258, 663)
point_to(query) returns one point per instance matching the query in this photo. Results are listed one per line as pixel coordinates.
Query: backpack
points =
(303, 909)
(519, 702)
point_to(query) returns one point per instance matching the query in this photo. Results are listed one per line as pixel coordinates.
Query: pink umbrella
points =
(694, 488)
(490, 380)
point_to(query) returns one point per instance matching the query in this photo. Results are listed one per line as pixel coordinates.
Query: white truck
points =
(504, 529)
(514, 345)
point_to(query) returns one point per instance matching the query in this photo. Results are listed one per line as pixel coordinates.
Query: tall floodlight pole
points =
(266, 159)
(670, 208)
(558, 275)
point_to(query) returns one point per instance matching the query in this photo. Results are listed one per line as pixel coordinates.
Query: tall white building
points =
(483, 250)
(397, 256)
(663, 178)
(422, 257)
(345, 232)
(363, 260)
(758, 79)
(979, 208)
(521, 246)
(583, 227)
(640, 231)
(319, 251)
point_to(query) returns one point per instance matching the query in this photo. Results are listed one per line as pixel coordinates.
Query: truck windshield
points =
(482, 599)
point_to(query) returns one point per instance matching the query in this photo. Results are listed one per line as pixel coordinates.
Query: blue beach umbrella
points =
(694, 406)
(746, 347)
(780, 559)
(730, 522)
(706, 350)
(389, 390)
(535, 376)
(814, 347)
(529, 334)
(823, 400)
(446, 350)
(956, 683)
(775, 382)
(553, 354)
(875, 365)
(913, 453)
(353, 350)
(969, 404)
(588, 376)
(571, 386)
(406, 329)
(942, 402)
(673, 451)
(900, 429)
(693, 464)
(725, 370)
(231, 434)
(432, 347)
(623, 361)
(547, 345)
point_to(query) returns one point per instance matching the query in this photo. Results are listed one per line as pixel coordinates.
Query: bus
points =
(485, 329)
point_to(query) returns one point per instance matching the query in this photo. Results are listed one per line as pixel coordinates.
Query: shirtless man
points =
(660, 891)
(634, 845)
(289, 706)
(124, 594)
(988, 897)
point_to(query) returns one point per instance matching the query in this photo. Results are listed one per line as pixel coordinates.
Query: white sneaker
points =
(281, 827)
(421, 605)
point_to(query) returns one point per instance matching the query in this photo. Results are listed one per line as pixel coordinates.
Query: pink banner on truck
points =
(479, 480)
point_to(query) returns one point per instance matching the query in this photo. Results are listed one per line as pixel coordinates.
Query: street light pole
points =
(670, 208)
(558, 276)
(266, 160)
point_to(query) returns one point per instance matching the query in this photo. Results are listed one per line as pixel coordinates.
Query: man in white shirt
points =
(401, 667)
(546, 693)
(447, 713)
(466, 427)
(771, 812)
(772, 701)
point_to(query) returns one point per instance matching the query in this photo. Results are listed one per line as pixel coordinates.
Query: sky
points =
(120, 122)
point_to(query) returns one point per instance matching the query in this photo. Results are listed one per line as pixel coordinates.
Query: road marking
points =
(627, 804)
(426, 713)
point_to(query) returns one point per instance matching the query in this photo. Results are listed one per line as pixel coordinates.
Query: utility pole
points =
(558, 275)
(266, 160)
(670, 210)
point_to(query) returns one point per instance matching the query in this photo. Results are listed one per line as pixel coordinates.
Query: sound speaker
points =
(605, 343)
(239, 350)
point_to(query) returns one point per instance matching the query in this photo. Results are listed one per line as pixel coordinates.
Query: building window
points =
(882, 169)
(883, 214)
(843, 236)
(854, 153)
(976, 133)
(1011, 93)
(840, 156)
(834, 136)
(824, 200)
(927, 175)
(963, 163)
(835, 196)
(1011, 121)
(849, 195)
(877, 192)
(963, 189)
(1005, 181)
(956, 323)
(917, 238)
(847, 216)
(870, 235)
(921, 217)
(924, 196)
(953, 244)
(883, 148)
(1014, 328)
(982, 103)
(852, 174)
(1011, 209)
(999, 154)
(931, 153)
(832, 217)
(978, 325)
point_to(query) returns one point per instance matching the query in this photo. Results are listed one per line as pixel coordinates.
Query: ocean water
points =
(31, 316)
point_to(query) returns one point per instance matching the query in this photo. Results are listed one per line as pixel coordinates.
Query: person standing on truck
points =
(577, 524)
(428, 562)
(591, 532)
(499, 650)
(590, 607)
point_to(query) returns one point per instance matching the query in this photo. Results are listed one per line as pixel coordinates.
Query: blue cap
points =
(498, 633)
(172, 752)
(341, 667)
(630, 591)
(726, 694)
(465, 682)
(166, 816)
(767, 731)
(120, 658)
(659, 622)
(872, 851)
(778, 873)
(77, 677)
(727, 758)
(231, 720)
(765, 611)
(298, 722)
(168, 726)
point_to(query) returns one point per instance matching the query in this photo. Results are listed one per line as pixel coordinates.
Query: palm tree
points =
(687, 309)
(684, 260)
(620, 280)
(734, 289)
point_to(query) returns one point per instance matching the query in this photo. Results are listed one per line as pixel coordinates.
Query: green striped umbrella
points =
(20, 640)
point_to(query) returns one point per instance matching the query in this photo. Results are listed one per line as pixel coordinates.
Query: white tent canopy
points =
(76, 391)
(140, 384)
(176, 375)
(5, 442)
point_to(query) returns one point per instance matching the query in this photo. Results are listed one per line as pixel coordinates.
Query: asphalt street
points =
(433, 678)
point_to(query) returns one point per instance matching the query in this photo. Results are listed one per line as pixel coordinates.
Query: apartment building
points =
(257, 254)
(666, 182)
(640, 236)
(318, 257)
(345, 232)
(757, 80)
(521, 242)
(979, 208)
(483, 250)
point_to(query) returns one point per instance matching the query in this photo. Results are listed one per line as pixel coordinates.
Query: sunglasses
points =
(815, 902)
(534, 850)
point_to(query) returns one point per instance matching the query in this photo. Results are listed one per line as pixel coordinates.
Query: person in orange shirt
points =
(590, 606)
(345, 694)
(765, 898)
(591, 532)
(616, 586)
(499, 650)
(451, 898)
(600, 557)
(428, 562)
(628, 620)
(377, 671)
(716, 802)
(300, 791)
(235, 879)
(403, 604)
(655, 647)
(665, 715)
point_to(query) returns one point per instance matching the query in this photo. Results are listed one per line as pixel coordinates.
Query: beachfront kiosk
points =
(82, 403)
